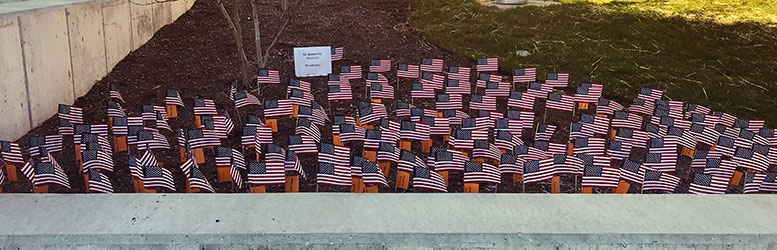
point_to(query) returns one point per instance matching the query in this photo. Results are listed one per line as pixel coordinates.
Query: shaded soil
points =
(196, 55)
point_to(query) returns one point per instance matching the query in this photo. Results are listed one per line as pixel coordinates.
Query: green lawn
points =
(721, 54)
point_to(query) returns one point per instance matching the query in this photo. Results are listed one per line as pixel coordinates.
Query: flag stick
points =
(496, 188)
(316, 187)
(575, 187)
(523, 186)
(745, 182)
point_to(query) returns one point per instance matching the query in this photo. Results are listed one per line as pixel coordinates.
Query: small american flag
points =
(356, 165)
(114, 110)
(11, 152)
(725, 146)
(50, 143)
(454, 116)
(768, 134)
(299, 97)
(598, 176)
(341, 119)
(456, 86)
(247, 135)
(746, 158)
(588, 145)
(524, 74)
(73, 114)
(544, 132)
(659, 181)
(538, 89)
(696, 109)
(408, 71)
(407, 161)
(264, 173)
(641, 106)
(435, 81)
(534, 172)
(235, 173)
(632, 171)
(204, 107)
(173, 98)
(448, 101)
(380, 65)
(197, 179)
(381, 91)
(417, 113)
(197, 139)
(402, 109)
(410, 130)
(439, 126)
(243, 99)
(387, 152)
(64, 127)
(477, 101)
(223, 156)
(484, 149)
(487, 64)
(663, 162)
(147, 112)
(700, 158)
(560, 102)
(305, 127)
(427, 179)
(48, 171)
(318, 115)
(352, 72)
(650, 94)
(157, 177)
(622, 119)
(589, 92)
(461, 139)
(431, 65)
(297, 84)
(669, 108)
(114, 93)
(375, 77)
(720, 167)
(618, 150)
(479, 172)
(292, 164)
(708, 184)
(753, 183)
(770, 182)
(511, 164)
(161, 122)
(134, 166)
(390, 130)
(149, 139)
(337, 53)
(28, 170)
(267, 76)
(302, 144)
(485, 77)
(753, 125)
(564, 164)
(520, 100)
(497, 89)
(370, 112)
(607, 107)
(421, 91)
(513, 127)
(338, 91)
(351, 132)
(97, 159)
(99, 183)
(725, 118)
(557, 80)
(333, 165)
(372, 138)
(706, 120)
(277, 108)
(450, 160)
(372, 174)
(460, 73)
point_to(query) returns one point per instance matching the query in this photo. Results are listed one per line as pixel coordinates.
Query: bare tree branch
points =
(274, 40)
(231, 25)
(257, 37)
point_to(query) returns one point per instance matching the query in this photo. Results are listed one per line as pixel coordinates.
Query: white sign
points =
(312, 61)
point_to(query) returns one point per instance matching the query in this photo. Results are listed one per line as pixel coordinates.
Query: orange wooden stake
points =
(292, 184)
(371, 189)
(199, 156)
(517, 178)
(42, 189)
(182, 150)
(78, 152)
(258, 189)
(138, 185)
(582, 106)
(194, 190)
(736, 178)
(444, 175)
(406, 145)
(197, 121)
(479, 160)
(370, 155)
(385, 167)
(587, 190)
(376, 100)
(336, 140)
(224, 176)
(120, 144)
(555, 185)
(11, 170)
(425, 145)
(357, 185)
(172, 111)
(295, 111)
(623, 187)
(570, 149)
(471, 187)
(403, 179)
(188, 186)
(272, 123)
(612, 135)
(601, 115)
(688, 152)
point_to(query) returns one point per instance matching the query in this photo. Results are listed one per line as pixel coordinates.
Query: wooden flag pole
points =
(316, 187)
(523, 186)
(496, 188)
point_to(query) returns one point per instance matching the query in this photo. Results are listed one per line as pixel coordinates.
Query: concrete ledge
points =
(364, 221)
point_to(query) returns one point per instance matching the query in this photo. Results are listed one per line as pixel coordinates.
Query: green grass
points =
(689, 48)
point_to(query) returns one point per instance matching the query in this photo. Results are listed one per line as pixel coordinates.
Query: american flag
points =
(618, 150)
(700, 158)
(479, 127)
(526, 117)
(560, 102)
(162, 110)
(696, 109)
(204, 107)
(299, 97)
(449, 160)
(557, 80)
(97, 159)
(417, 113)
(538, 89)
(485, 77)
(477, 101)
(356, 166)
(511, 164)
(410, 130)
(99, 183)
(607, 107)
(50, 143)
(390, 130)
(73, 114)
(685, 138)
(632, 171)
(351, 132)
(370, 112)
(746, 158)
(650, 94)
(135, 167)
(746, 138)
(488, 64)
(672, 109)
(659, 181)
(64, 127)
(753, 183)
(770, 182)
(479, 172)
(564, 164)
(544, 132)
(161, 123)
(408, 71)
(484, 149)
(243, 99)
(520, 100)
(387, 152)
(720, 167)
(341, 119)
(372, 174)
(725, 146)
(705, 135)
(497, 89)
(589, 92)
(197, 179)
(173, 98)
(380, 65)
(339, 92)
(318, 116)
(305, 127)
(725, 118)
(333, 165)
(113, 92)
(598, 176)
(599, 125)
(753, 125)
(28, 170)
(454, 116)
(157, 177)
(514, 127)
(427, 179)
(402, 109)
(438, 126)
(727, 131)
(622, 119)
(381, 91)
(666, 145)
(223, 156)
(149, 139)
(524, 74)
(372, 138)
(114, 110)
(253, 120)
(641, 106)
(292, 164)
(706, 120)
(337, 53)
(435, 81)
(265, 173)
(407, 161)
(197, 139)
(48, 172)
(297, 84)
(768, 134)
(589, 145)
(534, 172)
(461, 139)
(708, 184)
(421, 91)
(448, 101)
(431, 65)
(375, 77)
(352, 72)
(663, 162)
(264, 135)
(277, 108)
(11, 152)
(459, 73)
(456, 86)
(267, 76)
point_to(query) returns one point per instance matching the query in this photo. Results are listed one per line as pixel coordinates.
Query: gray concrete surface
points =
(53, 51)
(369, 221)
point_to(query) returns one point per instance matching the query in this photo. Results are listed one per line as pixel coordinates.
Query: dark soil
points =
(196, 55)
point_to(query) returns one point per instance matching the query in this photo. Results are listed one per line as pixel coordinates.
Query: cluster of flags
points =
(470, 137)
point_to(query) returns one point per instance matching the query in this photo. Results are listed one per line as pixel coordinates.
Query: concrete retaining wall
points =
(386, 221)
(53, 51)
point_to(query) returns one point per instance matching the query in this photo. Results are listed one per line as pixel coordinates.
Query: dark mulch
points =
(196, 55)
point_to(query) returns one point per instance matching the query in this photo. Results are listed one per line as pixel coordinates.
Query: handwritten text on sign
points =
(312, 61)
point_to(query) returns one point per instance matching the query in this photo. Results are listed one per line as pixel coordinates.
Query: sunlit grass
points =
(724, 11)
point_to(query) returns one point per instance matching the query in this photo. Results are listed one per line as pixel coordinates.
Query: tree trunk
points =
(257, 37)
(239, 40)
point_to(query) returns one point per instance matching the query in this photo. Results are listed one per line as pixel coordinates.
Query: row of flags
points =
(484, 146)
